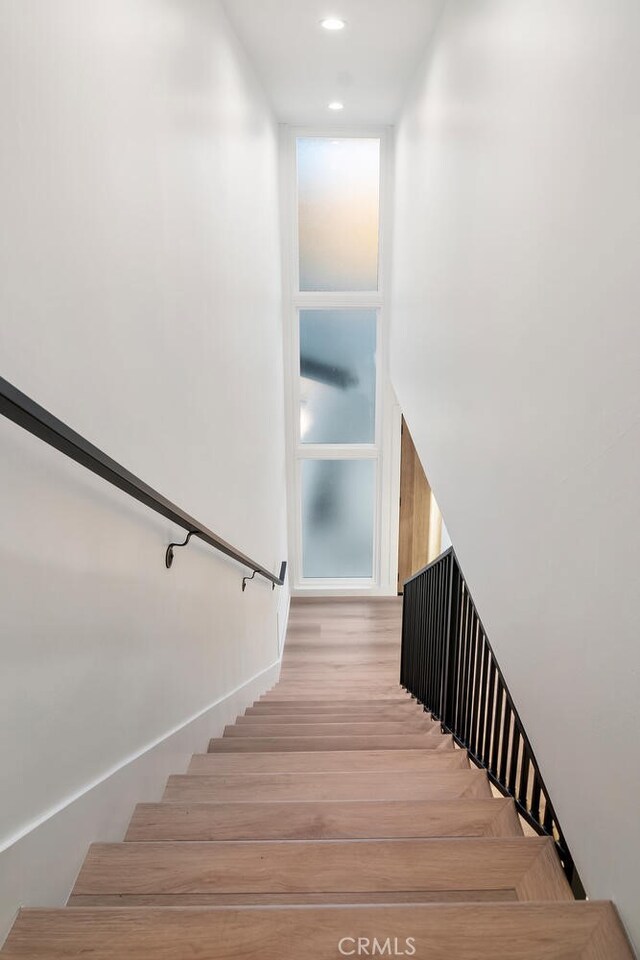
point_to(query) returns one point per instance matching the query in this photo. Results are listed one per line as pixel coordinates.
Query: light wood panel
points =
(311, 690)
(420, 785)
(344, 707)
(414, 720)
(407, 741)
(507, 866)
(383, 762)
(515, 931)
(357, 729)
(345, 650)
(357, 699)
(335, 820)
(415, 511)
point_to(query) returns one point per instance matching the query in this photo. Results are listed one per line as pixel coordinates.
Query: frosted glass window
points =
(337, 376)
(337, 518)
(338, 212)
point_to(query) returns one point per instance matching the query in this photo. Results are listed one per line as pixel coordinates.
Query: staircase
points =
(332, 819)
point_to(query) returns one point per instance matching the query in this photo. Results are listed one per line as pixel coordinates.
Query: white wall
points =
(445, 540)
(139, 302)
(516, 352)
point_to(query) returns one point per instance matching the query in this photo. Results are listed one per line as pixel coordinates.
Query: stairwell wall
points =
(140, 303)
(516, 359)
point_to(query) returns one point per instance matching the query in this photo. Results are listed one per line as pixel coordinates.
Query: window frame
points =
(385, 448)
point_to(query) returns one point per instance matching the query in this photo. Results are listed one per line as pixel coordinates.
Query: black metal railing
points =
(448, 665)
(24, 411)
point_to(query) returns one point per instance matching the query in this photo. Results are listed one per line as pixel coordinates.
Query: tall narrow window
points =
(336, 343)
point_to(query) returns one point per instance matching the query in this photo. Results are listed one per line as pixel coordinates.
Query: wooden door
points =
(419, 540)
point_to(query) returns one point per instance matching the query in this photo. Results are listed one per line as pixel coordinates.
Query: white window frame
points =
(385, 450)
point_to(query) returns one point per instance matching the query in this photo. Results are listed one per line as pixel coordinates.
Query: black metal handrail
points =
(24, 411)
(448, 665)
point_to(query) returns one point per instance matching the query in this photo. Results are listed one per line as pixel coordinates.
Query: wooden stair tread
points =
(319, 761)
(515, 931)
(524, 868)
(419, 785)
(311, 705)
(319, 697)
(326, 729)
(377, 689)
(408, 741)
(345, 709)
(291, 820)
(406, 719)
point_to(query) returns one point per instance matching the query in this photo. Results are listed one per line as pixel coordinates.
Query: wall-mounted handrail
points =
(24, 411)
(449, 666)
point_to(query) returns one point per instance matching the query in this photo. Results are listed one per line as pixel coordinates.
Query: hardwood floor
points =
(333, 815)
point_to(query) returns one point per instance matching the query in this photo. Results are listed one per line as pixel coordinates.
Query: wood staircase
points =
(332, 819)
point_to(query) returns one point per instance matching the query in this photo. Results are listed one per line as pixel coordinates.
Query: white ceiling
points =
(368, 65)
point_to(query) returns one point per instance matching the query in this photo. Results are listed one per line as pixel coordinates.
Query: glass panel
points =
(338, 208)
(337, 376)
(337, 518)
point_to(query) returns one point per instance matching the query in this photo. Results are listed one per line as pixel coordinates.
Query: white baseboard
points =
(39, 867)
(284, 608)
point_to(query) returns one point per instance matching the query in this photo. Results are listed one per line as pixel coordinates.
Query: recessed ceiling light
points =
(336, 105)
(333, 23)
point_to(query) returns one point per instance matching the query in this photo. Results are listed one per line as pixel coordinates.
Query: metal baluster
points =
(477, 669)
(490, 698)
(506, 736)
(424, 637)
(535, 796)
(484, 690)
(468, 681)
(497, 726)
(437, 640)
(447, 695)
(428, 640)
(462, 669)
(412, 634)
(407, 614)
(524, 779)
(548, 816)
(442, 634)
(513, 766)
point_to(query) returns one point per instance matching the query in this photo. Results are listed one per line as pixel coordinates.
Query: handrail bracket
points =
(245, 580)
(168, 557)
